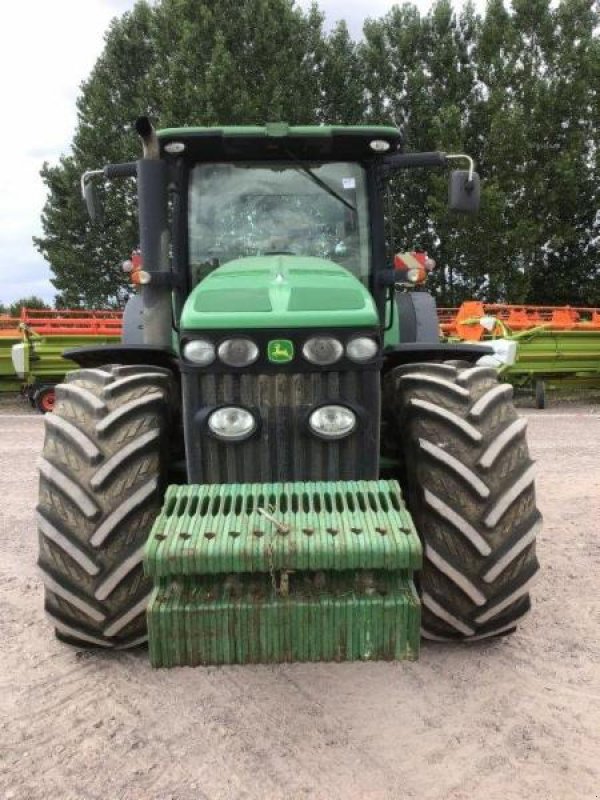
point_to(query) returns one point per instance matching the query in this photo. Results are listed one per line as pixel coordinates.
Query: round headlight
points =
(238, 352)
(200, 351)
(332, 422)
(322, 350)
(361, 348)
(232, 423)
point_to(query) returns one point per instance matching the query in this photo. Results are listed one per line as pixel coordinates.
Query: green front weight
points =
(266, 573)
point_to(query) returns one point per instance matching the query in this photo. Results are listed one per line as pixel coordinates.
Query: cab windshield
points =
(306, 209)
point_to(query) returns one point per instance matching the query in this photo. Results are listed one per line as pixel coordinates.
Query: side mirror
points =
(92, 201)
(464, 191)
(89, 192)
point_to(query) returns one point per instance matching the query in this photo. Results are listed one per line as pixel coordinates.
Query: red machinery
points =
(463, 322)
(65, 322)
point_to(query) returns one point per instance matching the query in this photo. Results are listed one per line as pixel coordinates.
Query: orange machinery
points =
(37, 338)
(464, 322)
(65, 322)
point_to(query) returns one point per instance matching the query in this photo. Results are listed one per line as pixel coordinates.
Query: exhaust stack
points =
(152, 183)
(149, 138)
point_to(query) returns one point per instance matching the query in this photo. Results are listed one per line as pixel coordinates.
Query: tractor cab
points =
(280, 190)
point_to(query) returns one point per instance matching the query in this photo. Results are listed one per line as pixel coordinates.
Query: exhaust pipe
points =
(152, 185)
(149, 138)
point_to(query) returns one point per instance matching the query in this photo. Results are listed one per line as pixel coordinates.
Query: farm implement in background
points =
(10, 334)
(534, 345)
(31, 348)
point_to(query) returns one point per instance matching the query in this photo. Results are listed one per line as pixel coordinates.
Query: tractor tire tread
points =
(101, 486)
(468, 479)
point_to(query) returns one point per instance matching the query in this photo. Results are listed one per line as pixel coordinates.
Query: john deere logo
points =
(280, 351)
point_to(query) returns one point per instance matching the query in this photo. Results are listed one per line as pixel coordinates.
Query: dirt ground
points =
(518, 717)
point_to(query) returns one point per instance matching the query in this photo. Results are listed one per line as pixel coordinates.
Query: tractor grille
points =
(283, 449)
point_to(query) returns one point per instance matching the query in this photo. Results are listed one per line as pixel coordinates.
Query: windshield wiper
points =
(315, 178)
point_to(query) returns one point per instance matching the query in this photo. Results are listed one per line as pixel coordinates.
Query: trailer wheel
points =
(540, 394)
(468, 481)
(102, 477)
(44, 398)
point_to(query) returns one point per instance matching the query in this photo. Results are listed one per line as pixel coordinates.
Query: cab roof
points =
(278, 140)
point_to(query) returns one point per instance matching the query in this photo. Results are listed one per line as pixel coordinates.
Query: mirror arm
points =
(464, 157)
(86, 176)
(109, 172)
(412, 161)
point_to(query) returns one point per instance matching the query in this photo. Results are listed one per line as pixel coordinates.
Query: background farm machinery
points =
(535, 345)
(32, 346)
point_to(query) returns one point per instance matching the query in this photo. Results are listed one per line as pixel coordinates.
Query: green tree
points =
(516, 87)
(85, 259)
(343, 99)
(420, 75)
(14, 308)
(181, 62)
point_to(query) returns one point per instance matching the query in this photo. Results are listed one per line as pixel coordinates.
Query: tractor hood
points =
(279, 291)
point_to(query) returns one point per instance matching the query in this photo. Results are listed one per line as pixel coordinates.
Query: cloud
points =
(28, 275)
(42, 70)
(355, 13)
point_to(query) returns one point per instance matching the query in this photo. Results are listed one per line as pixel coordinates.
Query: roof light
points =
(174, 147)
(379, 145)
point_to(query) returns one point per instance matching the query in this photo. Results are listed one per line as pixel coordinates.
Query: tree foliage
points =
(14, 309)
(515, 87)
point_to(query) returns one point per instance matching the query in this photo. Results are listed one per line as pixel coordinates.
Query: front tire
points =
(468, 480)
(102, 477)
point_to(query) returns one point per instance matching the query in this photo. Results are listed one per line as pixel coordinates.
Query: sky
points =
(46, 51)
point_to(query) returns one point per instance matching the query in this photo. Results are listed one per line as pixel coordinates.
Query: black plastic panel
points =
(283, 448)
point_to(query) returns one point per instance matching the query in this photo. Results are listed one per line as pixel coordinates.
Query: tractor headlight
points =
(322, 350)
(232, 424)
(238, 352)
(361, 348)
(332, 422)
(200, 351)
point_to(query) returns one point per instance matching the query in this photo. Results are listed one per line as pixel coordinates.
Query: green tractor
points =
(281, 461)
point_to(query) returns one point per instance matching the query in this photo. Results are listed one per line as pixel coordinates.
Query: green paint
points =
(280, 351)
(214, 300)
(278, 292)
(43, 355)
(318, 579)
(281, 129)
(9, 381)
(182, 542)
(544, 354)
(193, 622)
(391, 334)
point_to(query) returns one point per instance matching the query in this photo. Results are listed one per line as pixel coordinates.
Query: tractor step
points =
(267, 573)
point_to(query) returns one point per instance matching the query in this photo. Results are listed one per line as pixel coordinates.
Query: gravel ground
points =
(518, 717)
(15, 403)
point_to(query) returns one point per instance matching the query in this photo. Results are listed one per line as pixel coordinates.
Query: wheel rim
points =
(47, 401)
